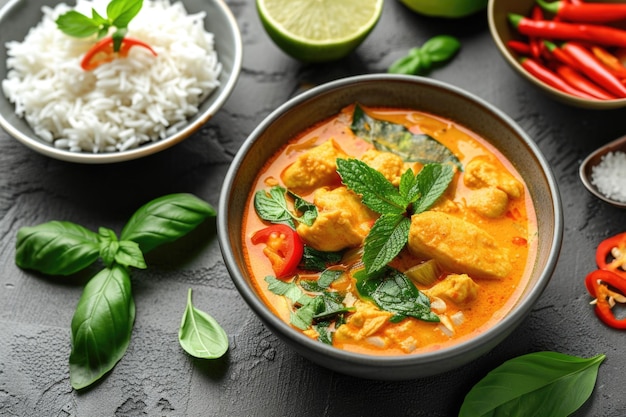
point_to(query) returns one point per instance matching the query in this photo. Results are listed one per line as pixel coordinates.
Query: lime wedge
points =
(319, 30)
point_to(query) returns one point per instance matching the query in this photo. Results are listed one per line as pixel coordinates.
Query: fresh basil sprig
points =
(417, 193)
(119, 14)
(104, 317)
(200, 335)
(549, 384)
(420, 61)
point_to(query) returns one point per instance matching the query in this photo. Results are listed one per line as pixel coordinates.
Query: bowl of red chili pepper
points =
(575, 51)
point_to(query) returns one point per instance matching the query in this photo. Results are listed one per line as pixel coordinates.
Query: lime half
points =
(319, 30)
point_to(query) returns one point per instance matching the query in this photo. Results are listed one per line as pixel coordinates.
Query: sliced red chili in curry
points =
(611, 254)
(607, 288)
(283, 247)
(103, 51)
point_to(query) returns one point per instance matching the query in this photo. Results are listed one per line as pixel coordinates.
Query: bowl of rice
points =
(124, 109)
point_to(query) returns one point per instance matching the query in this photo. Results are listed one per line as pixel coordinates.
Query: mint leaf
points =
(376, 191)
(77, 25)
(385, 240)
(317, 260)
(432, 182)
(308, 210)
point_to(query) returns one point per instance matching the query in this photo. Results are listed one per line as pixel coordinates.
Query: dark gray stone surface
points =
(260, 376)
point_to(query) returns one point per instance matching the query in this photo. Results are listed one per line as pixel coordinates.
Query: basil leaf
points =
(121, 12)
(538, 384)
(376, 191)
(323, 330)
(324, 281)
(200, 335)
(392, 291)
(166, 219)
(101, 326)
(432, 181)
(420, 61)
(308, 210)
(109, 245)
(272, 206)
(129, 254)
(287, 289)
(316, 260)
(56, 248)
(441, 48)
(77, 24)
(395, 138)
(385, 240)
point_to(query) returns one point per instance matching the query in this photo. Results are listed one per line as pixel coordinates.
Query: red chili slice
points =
(611, 254)
(602, 285)
(103, 52)
(284, 248)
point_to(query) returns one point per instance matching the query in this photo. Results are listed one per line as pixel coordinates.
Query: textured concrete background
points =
(260, 376)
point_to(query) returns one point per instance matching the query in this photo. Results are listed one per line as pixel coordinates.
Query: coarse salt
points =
(609, 176)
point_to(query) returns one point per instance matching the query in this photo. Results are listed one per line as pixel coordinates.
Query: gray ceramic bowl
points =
(18, 16)
(502, 32)
(396, 91)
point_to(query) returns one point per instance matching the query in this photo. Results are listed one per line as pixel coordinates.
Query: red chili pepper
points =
(284, 248)
(597, 34)
(558, 54)
(607, 288)
(589, 65)
(610, 61)
(577, 80)
(519, 47)
(611, 254)
(103, 52)
(544, 74)
(585, 12)
(535, 42)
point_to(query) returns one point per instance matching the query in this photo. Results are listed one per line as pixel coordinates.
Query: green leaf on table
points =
(541, 384)
(392, 291)
(56, 248)
(396, 138)
(101, 326)
(166, 219)
(200, 335)
(420, 61)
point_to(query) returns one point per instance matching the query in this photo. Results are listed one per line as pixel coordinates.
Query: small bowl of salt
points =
(603, 173)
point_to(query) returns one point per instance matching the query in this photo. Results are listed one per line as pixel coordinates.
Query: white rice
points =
(610, 176)
(119, 105)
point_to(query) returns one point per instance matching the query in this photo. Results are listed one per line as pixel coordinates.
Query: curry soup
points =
(466, 259)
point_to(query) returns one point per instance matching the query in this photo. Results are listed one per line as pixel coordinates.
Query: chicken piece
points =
(342, 221)
(484, 171)
(458, 288)
(457, 245)
(315, 168)
(390, 165)
(364, 322)
(489, 202)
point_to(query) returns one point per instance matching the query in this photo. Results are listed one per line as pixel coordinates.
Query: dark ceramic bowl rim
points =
(497, 332)
(231, 69)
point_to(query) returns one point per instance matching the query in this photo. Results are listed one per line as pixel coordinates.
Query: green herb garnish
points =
(417, 193)
(420, 61)
(272, 206)
(396, 138)
(200, 334)
(538, 384)
(317, 260)
(393, 291)
(103, 320)
(119, 14)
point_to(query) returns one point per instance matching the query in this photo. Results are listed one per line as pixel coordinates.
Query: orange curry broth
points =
(516, 230)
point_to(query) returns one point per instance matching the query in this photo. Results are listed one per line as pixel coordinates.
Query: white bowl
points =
(18, 16)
